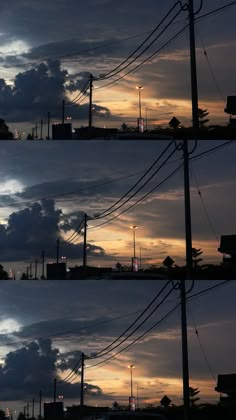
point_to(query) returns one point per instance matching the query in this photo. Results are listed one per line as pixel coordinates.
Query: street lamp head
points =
(134, 227)
(139, 87)
(131, 366)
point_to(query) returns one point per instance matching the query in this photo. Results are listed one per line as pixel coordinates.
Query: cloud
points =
(34, 367)
(26, 369)
(42, 89)
(34, 228)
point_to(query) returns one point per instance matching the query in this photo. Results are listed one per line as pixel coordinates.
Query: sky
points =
(46, 187)
(46, 325)
(48, 50)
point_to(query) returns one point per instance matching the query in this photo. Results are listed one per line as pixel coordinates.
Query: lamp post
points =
(134, 227)
(131, 379)
(140, 119)
(139, 100)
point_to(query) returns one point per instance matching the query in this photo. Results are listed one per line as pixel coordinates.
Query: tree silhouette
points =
(21, 417)
(115, 405)
(2, 415)
(192, 395)
(202, 114)
(195, 254)
(118, 266)
(5, 134)
(3, 273)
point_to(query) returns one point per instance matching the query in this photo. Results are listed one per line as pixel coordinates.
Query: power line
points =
(138, 338)
(36, 62)
(114, 72)
(215, 11)
(201, 347)
(211, 69)
(203, 292)
(142, 198)
(102, 353)
(205, 209)
(212, 149)
(72, 330)
(140, 188)
(106, 349)
(199, 18)
(135, 193)
(146, 59)
(80, 94)
(71, 192)
(162, 319)
(135, 185)
(75, 233)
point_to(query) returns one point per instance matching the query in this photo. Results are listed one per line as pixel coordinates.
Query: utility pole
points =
(33, 133)
(49, 116)
(193, 66)
(58, 244)
(55, 391)
(90, 99)
(63, 111)
(27, 273)
(43, 257)
(82, 381)
(36, 131)
(36, 267)
(41, 130)
(188, 229)
(85, 241)
(32, 408)
(30, 270)
(27, 410)
(188, 240)
(185, 366)
(40, 404)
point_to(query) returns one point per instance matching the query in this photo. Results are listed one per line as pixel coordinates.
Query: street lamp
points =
(139, 97)
(131, 379)
(134, 227)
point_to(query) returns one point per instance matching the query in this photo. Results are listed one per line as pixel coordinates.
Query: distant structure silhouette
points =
(226, 384)
(231, 109)
(228, 247)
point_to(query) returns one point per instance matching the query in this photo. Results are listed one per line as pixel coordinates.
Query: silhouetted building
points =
(62, 131)
(53, 411)
(228, 247)
(231, 109)
(226, 384)
(56, 271)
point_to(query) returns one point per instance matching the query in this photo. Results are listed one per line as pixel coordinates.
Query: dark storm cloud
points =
(40, 89)
(27, 368)
(34, 91)
(35, 228)
(34, 367)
